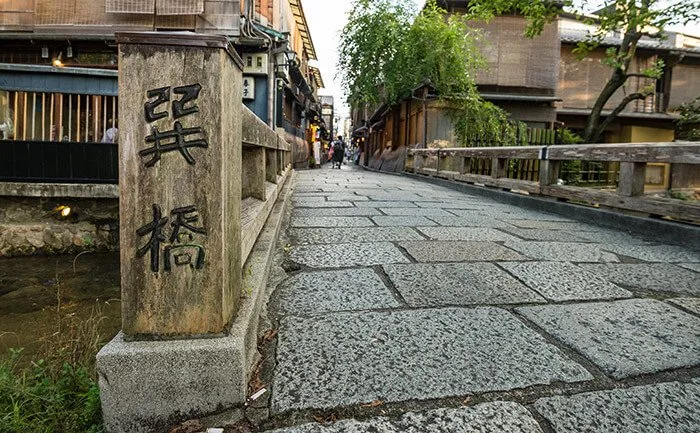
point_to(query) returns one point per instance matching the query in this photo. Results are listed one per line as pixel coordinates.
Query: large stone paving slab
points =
(562, 281)
(657, 253)
(551, 225)
(319, 292)
(544, 235)
(692, 266)
(331, 221)
(562, 251)
(402, 221)
(494, 417)
(660, 408)
(624, 338)
(410, 355)
(690, 304)
(425, 285)
(483, 234)
(349, 234)
(459, 251)
(321, 204)
(347, 255)
(383, 204)
(414, 211)
(660, 277)
(474, 220)
(335, 211)
(454, 204)
(613, 237)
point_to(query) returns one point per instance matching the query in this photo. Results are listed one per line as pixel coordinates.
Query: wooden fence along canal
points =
(503, 171)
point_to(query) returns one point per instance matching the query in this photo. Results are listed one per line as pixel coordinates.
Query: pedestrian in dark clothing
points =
(338, 151)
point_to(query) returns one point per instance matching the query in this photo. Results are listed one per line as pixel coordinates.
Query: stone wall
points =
(32, 225)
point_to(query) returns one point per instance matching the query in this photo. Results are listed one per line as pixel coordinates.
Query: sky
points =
(326, 19)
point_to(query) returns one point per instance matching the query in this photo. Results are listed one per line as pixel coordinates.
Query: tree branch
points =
(640, 76)
(613, 115)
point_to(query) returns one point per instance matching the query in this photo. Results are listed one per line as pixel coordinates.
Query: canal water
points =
(40, 294)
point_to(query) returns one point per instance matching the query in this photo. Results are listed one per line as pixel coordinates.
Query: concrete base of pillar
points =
(147, 386)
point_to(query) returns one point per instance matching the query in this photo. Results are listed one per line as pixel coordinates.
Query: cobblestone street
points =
(413, 307)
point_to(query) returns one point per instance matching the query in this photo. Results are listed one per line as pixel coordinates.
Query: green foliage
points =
(387, 50)
(570, 170)
(538, 12)
(41, 399)
(478, 121)
(630, 19)
(688, 124)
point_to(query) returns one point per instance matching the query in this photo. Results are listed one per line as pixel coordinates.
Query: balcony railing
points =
(58, 162)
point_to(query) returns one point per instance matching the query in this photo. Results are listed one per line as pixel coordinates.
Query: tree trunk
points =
(592, 133)
(593, 130)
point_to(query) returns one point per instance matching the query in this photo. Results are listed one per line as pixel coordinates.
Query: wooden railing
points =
(456, 164)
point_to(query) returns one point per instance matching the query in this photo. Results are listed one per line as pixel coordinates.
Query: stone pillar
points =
(180, 105)
(180, 178)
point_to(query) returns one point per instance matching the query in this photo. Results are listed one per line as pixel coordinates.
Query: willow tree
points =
(387, 49)
(634, 19)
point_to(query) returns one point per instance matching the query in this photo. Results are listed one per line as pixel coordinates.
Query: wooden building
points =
(58, 65)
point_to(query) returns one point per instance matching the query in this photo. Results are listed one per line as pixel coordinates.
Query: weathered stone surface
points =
(459, 251)
(664, 407)
(345, 196)
(562, 251)
(544, 235)
(335, 211)
(494, 417)
(690, 304)
(613, 237)
(656, 253)
(338, 255)
(624, 338)
(573, 226)
(466, 234)
(383, 204)
(144, 384)
(474, 220)
(345, 235)
(563, 281)
(660, 277)
(425, 285)
(692, 266)
(402, 221)
(321, 203)
(395, 196)
(453, 204)
(319, 292)
(406, 355)
(414, 211)
(331, 221)
(187, 300)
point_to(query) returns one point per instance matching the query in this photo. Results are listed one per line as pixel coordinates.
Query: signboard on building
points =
(248, 87)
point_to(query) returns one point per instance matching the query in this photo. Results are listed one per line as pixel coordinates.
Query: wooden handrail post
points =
(179, 204)
(549, 172)
(632, 175)
(499, 167)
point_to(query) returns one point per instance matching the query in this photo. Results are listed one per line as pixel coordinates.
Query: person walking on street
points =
(338, 151)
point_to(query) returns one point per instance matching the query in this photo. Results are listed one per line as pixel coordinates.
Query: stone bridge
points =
(416, 307)
(256, 297)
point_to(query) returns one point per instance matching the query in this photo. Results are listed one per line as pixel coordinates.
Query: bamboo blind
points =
(130, 6)
(179, 7)
(17, 6)
(54, 12)
(181, 22)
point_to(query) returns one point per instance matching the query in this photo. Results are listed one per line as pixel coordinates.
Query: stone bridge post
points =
(180, 232)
